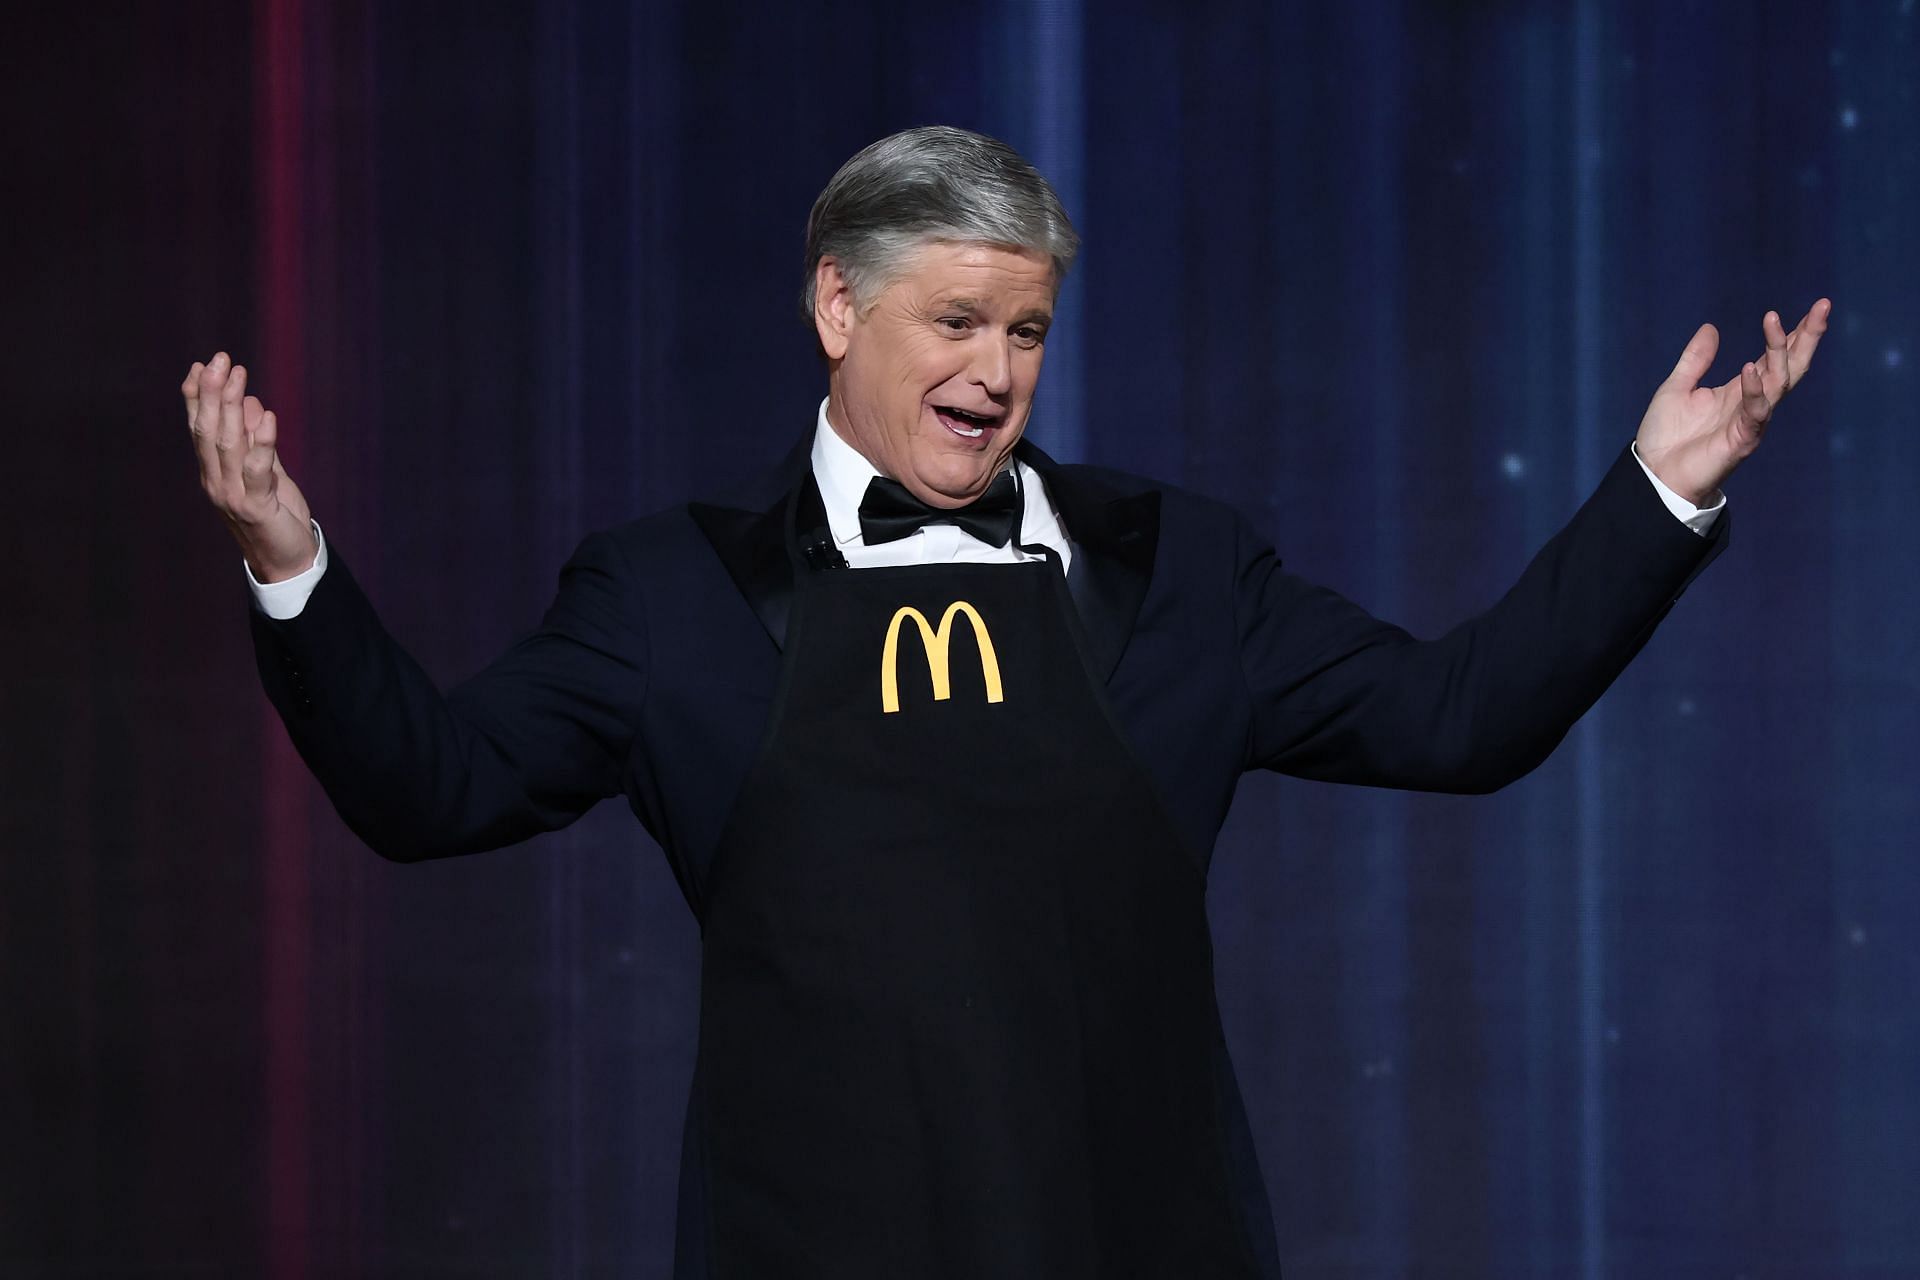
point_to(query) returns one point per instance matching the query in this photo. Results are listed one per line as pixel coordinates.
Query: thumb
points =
(1696, 359)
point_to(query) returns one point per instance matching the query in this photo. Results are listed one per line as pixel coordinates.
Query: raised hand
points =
(234, 438)
(1692, 437)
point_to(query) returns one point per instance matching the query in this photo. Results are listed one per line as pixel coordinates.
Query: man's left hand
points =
(1693, 436)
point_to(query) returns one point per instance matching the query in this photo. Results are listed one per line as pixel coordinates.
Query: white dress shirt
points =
(842, 473)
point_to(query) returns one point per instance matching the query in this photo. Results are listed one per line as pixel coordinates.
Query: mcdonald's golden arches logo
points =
(935, 641)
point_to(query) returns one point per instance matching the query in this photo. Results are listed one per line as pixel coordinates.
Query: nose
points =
(993, 363)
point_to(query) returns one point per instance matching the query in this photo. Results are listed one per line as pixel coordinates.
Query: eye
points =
(953, 324)
(1028, 335)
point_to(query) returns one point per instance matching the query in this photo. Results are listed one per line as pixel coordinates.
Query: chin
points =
(960, 478)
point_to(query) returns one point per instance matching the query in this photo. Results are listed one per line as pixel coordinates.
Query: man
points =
(938, 733)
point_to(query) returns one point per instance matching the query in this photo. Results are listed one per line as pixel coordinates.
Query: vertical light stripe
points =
(1539, 80)
(1051, 39)
(1865, 372)
(1590, 740)
(558, 511)
(279, 92)
(653, 169)
(1551, 874)
(365, 902)
(1372, 38)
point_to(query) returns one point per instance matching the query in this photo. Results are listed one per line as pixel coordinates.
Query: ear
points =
(833, 309)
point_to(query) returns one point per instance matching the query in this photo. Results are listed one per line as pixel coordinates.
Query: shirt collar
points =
(843, 472)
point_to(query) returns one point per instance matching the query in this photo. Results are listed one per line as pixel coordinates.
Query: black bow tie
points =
(889, 512)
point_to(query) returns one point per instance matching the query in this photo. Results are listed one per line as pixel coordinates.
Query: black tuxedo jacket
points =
(654, 669)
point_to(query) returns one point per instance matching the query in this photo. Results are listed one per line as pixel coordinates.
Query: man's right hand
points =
(234, 437)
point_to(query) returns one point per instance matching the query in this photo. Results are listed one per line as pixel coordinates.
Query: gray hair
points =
(933, 184)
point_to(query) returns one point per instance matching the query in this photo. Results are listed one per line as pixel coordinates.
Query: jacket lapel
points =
(751, 539)
(1115, 537)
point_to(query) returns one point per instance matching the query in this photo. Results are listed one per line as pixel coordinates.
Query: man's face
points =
(934, 381)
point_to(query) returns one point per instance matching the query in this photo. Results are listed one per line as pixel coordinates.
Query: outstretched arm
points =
(1340, 695)
(525, 746)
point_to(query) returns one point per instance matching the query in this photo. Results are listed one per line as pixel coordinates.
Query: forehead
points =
(981, 273)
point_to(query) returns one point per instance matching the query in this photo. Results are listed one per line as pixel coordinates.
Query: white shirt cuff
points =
(283, 600)
(1698, 519)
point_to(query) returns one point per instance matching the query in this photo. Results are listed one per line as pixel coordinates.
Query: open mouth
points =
(968, 426)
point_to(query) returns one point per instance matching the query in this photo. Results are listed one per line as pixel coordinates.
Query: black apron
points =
(957, 1003)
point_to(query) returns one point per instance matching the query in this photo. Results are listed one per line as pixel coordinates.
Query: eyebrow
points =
(971, 305)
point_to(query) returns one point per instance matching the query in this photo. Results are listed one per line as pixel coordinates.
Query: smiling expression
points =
(933, 381)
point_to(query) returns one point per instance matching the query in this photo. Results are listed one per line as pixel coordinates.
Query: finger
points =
(1775, 334)
(1775, 371)
(1755, 407)
(1806, 336)
(251, 411)
(190, 391)
(230, 444)
(261, 461)
(1696, 359)
(206, 422)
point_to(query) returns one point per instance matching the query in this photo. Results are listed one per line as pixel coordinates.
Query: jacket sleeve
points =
(1338, 695)
(527, 745)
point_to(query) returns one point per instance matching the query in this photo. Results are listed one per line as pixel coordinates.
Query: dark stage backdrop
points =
(1396, 279)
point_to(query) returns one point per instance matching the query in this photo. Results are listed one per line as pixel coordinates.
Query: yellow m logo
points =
(935, 643)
